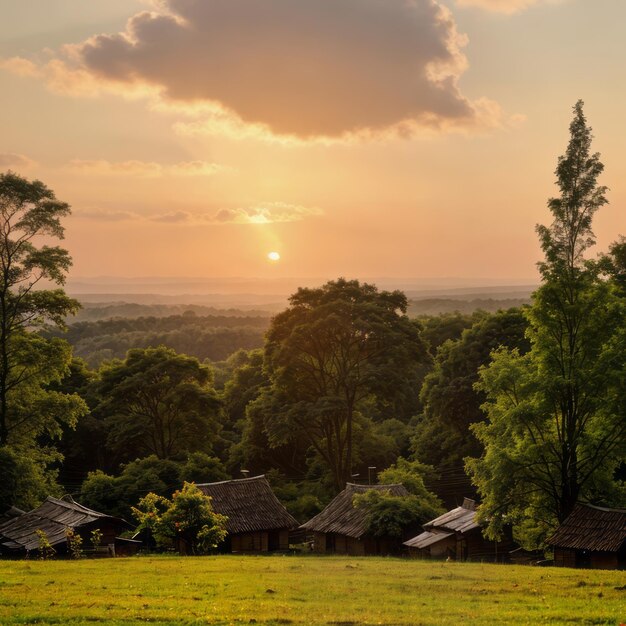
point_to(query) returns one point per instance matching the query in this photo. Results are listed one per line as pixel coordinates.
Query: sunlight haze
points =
(360, 138)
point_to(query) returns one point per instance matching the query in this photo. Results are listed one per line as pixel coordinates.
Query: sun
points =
(274, 257)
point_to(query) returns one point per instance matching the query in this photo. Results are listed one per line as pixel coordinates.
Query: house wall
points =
(564, 557)
(333, 543)
(249, 542)
(319, 543)
(349, 545)
(604, 560)
(283, 539)
(472, 546)
(109, 532)
(260, 541)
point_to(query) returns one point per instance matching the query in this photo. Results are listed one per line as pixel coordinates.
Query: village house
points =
(341, 528)
(18, 535)
(257, 521)
(457, 535)
(591, 536)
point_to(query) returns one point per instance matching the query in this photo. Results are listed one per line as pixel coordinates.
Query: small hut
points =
(341, 528)
(457, 535)
(591, 536)
(257, 521)
(18, 536)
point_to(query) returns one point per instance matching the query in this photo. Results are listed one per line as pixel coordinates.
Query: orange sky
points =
(362, 138)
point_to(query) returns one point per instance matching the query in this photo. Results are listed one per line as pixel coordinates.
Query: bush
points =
(45, 549)
(187, 519)
(74, 543)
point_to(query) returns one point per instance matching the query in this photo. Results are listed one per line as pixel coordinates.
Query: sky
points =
(360, 138)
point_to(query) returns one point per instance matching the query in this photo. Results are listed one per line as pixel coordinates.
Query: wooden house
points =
(457, 535)
(18, 535)
(341, 528)
(591, 536)
(257, 521)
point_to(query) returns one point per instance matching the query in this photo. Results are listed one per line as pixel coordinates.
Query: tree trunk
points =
(348, 465)
(569, 483)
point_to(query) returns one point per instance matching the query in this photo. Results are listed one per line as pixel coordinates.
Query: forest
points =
(521, 407)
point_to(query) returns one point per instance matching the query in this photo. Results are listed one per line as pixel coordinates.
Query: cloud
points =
(124, 168)
(504, 6)
(264, 213)
(145, 169)
(20, 66)
(197, 168)
(175, 217)
(300, 69)
(11, 159)
(269, 213)
(102, 215)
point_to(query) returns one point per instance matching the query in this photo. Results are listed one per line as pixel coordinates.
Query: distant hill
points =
(95, 311)
(439, 306)
(271, 294)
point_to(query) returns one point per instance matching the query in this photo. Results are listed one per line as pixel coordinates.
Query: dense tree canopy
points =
(333, 348)
(451, 403)
(158, 402)
(117, 494)
(556, 426)
(213, 337)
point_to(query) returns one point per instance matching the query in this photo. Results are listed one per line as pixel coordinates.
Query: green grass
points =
(336, 591)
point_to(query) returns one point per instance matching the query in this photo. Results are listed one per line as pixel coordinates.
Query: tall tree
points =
(451, 402)
(333, 348)
(30, 215)
(158, 402)
(556, 427)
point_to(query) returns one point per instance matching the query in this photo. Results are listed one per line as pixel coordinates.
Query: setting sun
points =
(273, 256)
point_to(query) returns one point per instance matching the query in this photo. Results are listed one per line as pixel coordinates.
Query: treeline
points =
(93, 312)
(212, 337)
(158, 417)
(439, 306)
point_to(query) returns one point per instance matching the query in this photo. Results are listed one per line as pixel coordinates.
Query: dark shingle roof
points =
(592, 528)
(460, 520)
(342, 517)
(53, 517)
(249, 504)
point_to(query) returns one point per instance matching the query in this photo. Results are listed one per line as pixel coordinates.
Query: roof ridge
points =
(378, 486)
(73, 506)
(606, 509)
(232, 480)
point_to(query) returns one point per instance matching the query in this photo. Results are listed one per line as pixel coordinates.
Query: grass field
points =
(337, 591)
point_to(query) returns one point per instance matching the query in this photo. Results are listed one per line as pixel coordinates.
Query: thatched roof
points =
(249, 504)
(342, 517)
(592, 528)
(460, 520)
(53, 517)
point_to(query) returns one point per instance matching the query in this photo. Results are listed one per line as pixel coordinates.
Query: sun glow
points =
(274, 257)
